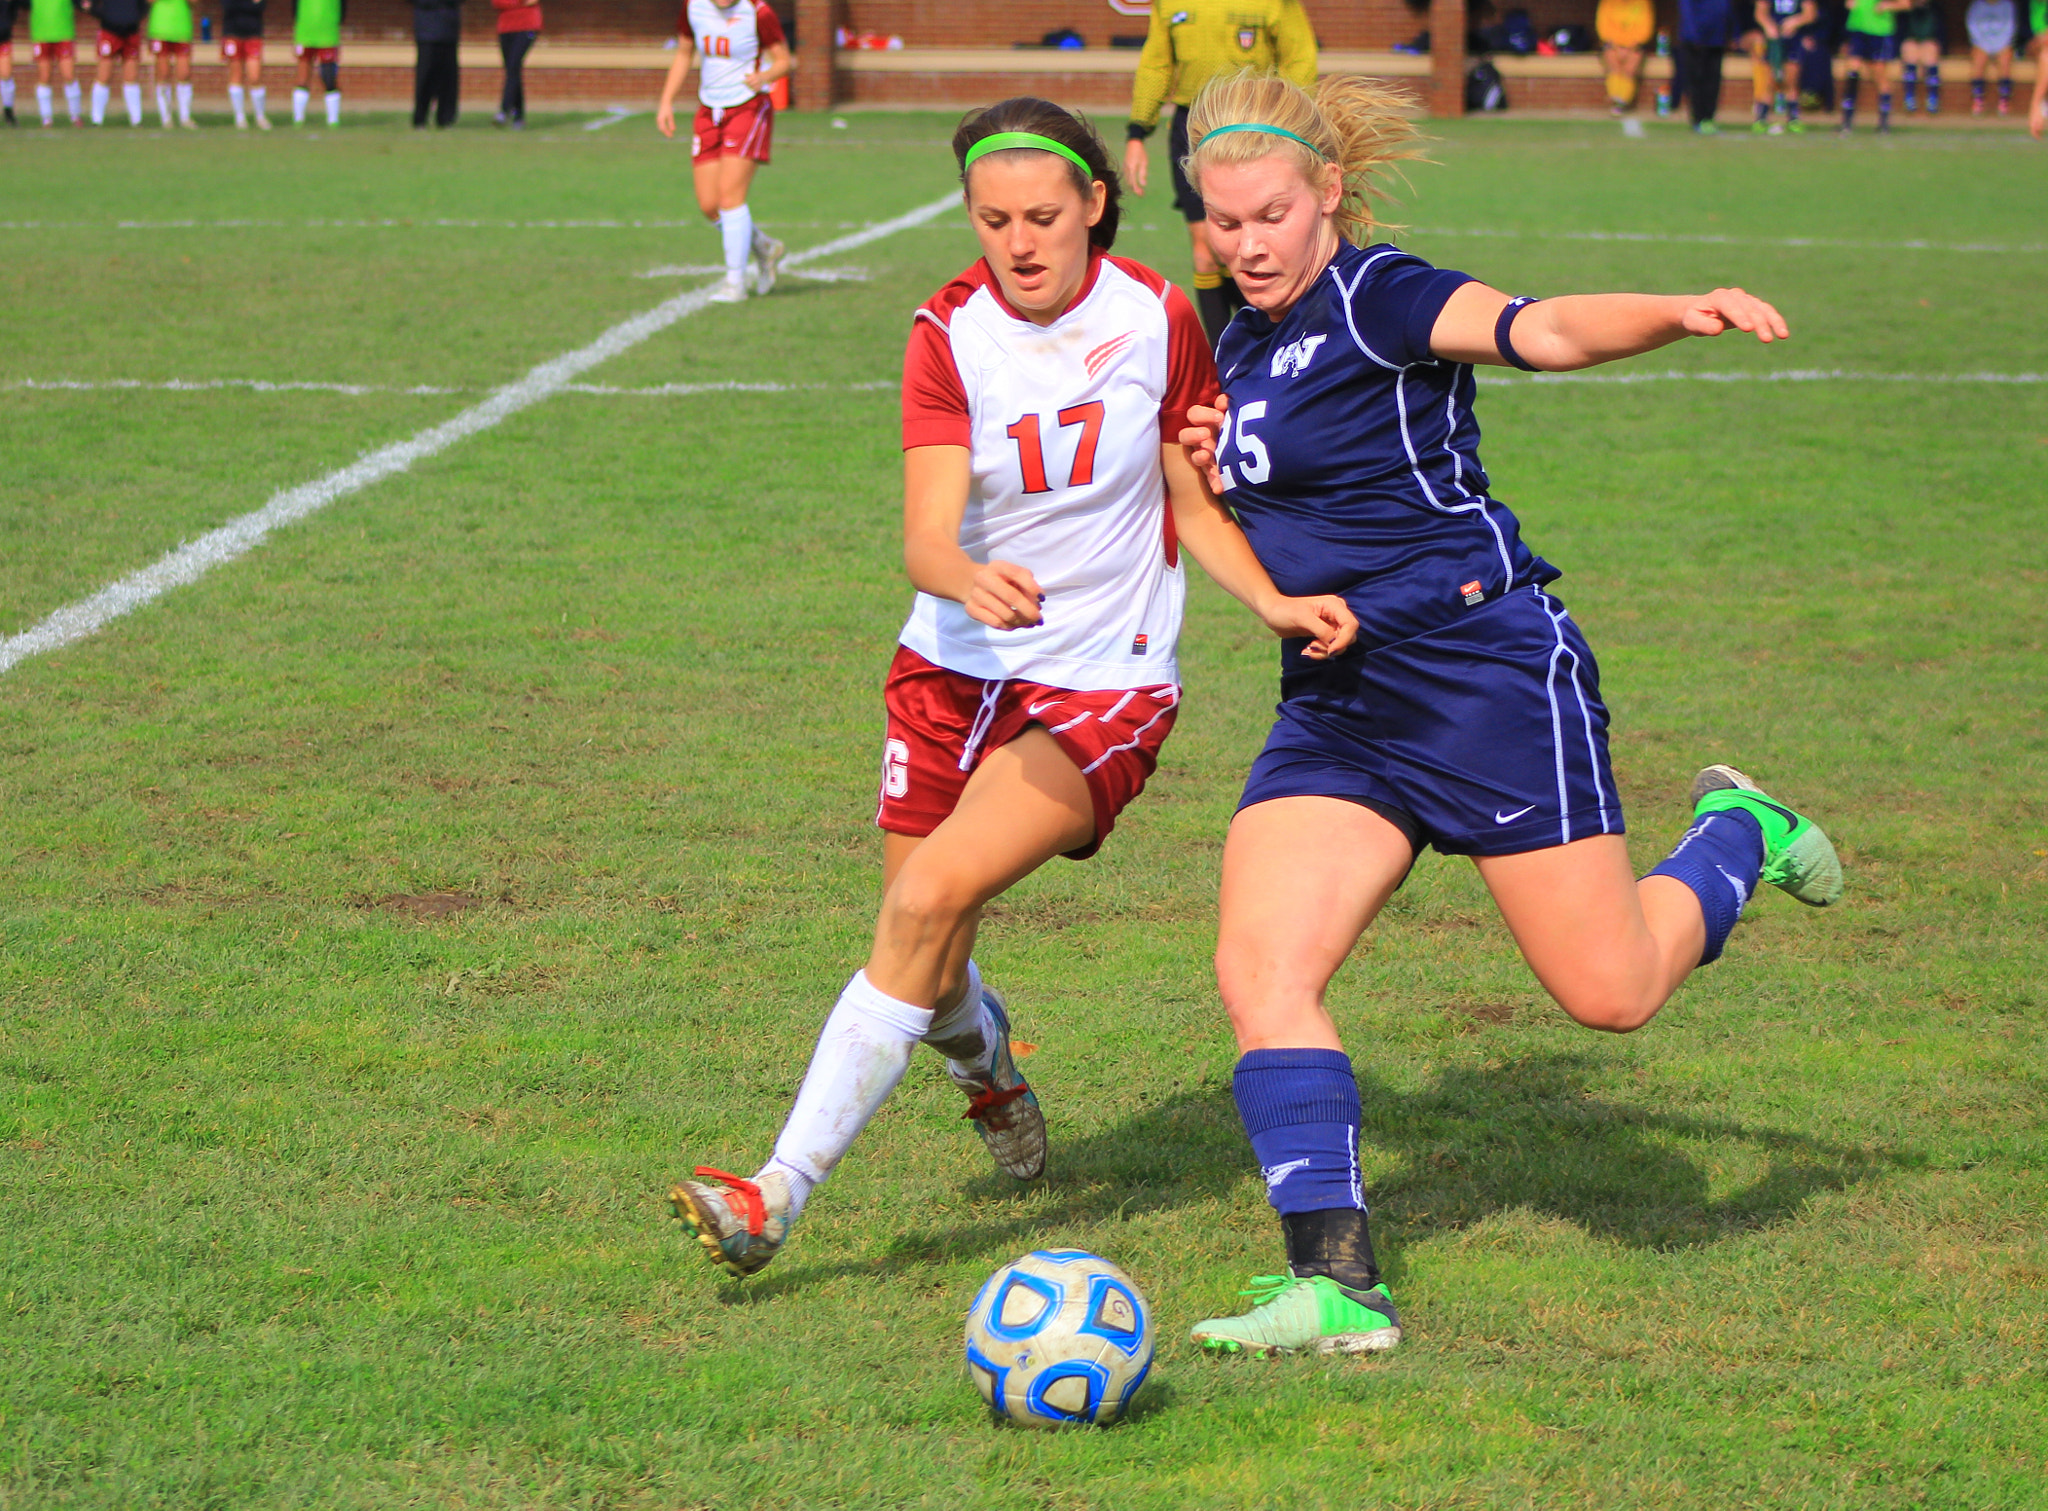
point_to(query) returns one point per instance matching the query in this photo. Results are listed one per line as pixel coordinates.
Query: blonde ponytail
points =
(1361, 125)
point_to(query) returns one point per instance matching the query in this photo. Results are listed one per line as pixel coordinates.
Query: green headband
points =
(1270, 131)
(1003, 141)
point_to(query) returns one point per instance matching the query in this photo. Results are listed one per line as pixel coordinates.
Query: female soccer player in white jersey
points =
(744, 53)
(1046, 501)
(1468, 714)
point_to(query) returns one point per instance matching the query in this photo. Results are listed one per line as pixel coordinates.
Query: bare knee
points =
(1610, 1011)
(1267, 1010)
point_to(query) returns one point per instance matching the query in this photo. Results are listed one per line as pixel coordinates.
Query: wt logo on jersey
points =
(1293, 359)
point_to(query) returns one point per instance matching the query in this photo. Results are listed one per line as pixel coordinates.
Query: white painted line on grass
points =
(194, 559)
(611, 117)
(1782, 375)
(419, 390)
(1679, 238)
(821, 275)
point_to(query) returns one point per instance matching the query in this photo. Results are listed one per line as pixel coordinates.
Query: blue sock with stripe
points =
(1719, 858)
(1300, 1108)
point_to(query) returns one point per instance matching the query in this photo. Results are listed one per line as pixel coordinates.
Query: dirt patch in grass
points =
(429, 905)
(1477, 1017)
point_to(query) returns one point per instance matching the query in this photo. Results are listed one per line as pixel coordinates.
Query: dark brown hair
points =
(1043, 118)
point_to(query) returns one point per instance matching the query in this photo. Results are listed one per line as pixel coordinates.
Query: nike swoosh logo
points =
(1038, 708)
(1509, 818)
(1275, 1174)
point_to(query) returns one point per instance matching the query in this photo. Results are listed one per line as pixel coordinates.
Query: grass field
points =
(390, 916)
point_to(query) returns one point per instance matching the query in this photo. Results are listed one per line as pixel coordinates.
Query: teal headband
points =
(1003, 141)
(1268, 130)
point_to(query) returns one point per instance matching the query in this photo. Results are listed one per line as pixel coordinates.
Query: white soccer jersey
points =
(732, 39)
(1063, 424)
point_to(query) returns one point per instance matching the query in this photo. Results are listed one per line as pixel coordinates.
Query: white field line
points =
(357, 390)
(821, 275)
(1489, 376)
(194, 559)
(443, 223)
(1783, 375)
(1677, 238)
(611, 117)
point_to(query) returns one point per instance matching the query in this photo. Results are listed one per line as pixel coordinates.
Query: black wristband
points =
(1501, 343)
(1133, 132)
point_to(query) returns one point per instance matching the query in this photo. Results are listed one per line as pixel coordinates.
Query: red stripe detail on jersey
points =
(1096, 360)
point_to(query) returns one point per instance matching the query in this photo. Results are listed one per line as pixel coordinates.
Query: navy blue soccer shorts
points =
(1484, 737)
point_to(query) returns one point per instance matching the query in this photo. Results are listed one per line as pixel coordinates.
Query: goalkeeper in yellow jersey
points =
(1189, 43)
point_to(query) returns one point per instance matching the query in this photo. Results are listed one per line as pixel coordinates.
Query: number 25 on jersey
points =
(1031, 456)
(1253, 462)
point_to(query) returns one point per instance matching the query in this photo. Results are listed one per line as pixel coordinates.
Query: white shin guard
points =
(861, 1056)
(966, 1034)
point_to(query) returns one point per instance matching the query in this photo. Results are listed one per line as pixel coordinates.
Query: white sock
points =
(235, 99)
(6, 94)
(800, 1185)
(299, 98)
(74, 99)
(131, 96)
(43, 102)
(256, 94)
(861, 1056)
(957, 1034)
(334, 107)
(184, 102)
(736, 229)
(100, 95)
(163, 103)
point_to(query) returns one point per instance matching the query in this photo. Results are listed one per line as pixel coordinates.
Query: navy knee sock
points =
(1719, 858)
(1300, 1107)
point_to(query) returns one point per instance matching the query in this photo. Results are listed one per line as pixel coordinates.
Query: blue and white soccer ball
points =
(1059, 1337)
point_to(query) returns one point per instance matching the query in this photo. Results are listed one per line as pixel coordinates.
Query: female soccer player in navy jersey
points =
(1046, 498)
(1467, 715)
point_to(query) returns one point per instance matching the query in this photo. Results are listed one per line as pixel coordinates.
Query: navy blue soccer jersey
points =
(1351, 455)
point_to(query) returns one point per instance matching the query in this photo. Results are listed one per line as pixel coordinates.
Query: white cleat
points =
(262, 123)
(767, 263)
(732, 291)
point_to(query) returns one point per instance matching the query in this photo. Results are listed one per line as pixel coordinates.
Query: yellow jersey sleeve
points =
(1155, 68)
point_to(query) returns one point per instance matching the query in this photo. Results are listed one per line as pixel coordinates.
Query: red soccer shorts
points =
(941, 725)
(54, 50)
(734, 131)
(114, 45)
(158, 48)
(242, 47)
(318, 54)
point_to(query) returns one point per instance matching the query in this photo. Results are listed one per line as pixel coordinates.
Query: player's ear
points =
(1098, 201)
(1333, 188)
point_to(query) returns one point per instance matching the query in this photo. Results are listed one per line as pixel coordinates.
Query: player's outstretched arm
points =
(1000, 594)
(1584, 330)
(1212, 537)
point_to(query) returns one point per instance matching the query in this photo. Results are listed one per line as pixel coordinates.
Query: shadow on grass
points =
(1527, 1133)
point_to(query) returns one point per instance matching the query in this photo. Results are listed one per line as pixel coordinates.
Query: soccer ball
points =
(1058, 1337)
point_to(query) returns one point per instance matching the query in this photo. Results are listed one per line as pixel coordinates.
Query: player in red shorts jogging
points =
(1046, 499)
(744, 53)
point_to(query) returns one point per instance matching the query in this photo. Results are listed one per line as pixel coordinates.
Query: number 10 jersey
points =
(1063, 425)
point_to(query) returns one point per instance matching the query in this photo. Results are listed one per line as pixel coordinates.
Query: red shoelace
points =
(982, 1103)
(749, 1195)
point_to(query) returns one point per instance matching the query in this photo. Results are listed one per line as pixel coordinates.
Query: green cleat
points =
(1305, 1313)
(1798, 857)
